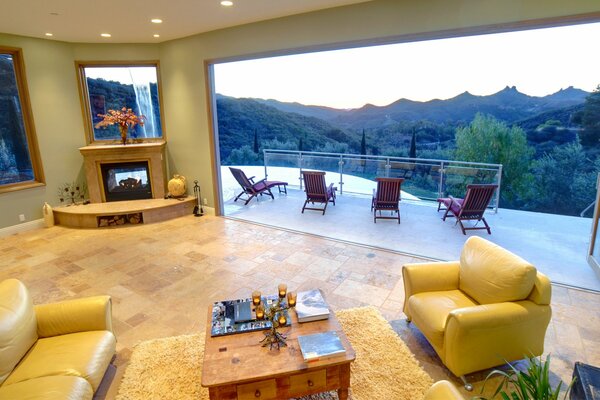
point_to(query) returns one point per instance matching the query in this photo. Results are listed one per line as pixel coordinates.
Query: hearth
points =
(126, 181)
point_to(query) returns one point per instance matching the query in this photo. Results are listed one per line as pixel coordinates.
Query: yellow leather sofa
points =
(443, 390)
(489, 307)
(52, 351)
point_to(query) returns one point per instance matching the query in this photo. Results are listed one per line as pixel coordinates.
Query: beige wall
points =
(55, 101)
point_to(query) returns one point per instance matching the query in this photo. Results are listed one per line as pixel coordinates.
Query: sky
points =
(122, 74)
(538, 62)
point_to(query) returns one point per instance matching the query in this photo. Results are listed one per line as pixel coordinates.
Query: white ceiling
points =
(128, 21)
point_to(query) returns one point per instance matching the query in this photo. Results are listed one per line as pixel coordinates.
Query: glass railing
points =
(425, 179)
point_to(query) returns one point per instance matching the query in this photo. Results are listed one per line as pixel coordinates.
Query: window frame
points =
(27, 115)
(84, 97)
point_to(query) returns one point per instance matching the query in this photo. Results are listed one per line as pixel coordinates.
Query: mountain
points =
(509, 105)
(240, 118)
(321, 112)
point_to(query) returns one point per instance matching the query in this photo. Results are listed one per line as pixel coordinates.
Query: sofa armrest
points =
(487, 335)
(71, 316)
(429, 277)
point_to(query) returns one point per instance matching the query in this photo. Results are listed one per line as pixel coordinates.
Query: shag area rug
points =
(384, 368)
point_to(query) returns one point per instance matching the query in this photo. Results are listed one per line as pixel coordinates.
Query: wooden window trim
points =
(32, 143)
(84, 97)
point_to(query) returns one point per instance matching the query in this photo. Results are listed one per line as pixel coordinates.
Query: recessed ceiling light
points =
(227, 3)
(156, 21)
(105, 34)
(156, 35)
(49, 34)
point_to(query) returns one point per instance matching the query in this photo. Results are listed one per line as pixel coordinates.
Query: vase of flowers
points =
(125, 118)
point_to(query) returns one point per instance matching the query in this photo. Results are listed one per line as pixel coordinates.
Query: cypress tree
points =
(412, 153)
(300, 145)
(363, 144)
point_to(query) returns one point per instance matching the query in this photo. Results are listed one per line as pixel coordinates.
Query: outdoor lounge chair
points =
(472, 207)
(386, 198)
(253, 189)
(317, 191)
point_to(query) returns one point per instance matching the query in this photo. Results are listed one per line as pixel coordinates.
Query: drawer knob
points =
(310, 383)
(257, 393)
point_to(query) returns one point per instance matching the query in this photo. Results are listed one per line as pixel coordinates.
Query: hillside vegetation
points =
(533, 137)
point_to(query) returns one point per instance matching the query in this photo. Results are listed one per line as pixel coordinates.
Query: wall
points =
(55, 103)
(52, 82)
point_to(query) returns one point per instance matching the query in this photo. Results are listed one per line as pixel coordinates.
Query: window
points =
(113, 86)
(20, 165)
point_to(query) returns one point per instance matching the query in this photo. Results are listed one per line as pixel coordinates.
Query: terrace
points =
(556, 244)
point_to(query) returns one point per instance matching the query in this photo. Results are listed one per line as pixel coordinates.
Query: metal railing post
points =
(388, 166)
(300, 161)
(498, 190)
(441, 184)
(341, 169)
(265, 162)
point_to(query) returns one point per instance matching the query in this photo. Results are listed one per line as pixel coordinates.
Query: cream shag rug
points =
(384, 368)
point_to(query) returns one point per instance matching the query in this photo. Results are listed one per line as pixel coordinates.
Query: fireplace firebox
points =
(126, 181)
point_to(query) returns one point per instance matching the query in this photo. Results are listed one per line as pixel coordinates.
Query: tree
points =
(590, 119)
(412, 153)
(243, 156)
(255, 141)
(363, 144)
(565, 180)
(489, 140)
(300, 145)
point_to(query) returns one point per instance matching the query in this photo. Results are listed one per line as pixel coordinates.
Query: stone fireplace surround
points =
(96, 155)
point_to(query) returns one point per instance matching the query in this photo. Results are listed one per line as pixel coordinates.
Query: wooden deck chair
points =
(317, 191)
(472, 207)
(386, 198)
(253, 189)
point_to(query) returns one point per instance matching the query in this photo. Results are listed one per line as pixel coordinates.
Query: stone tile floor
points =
(162, 277)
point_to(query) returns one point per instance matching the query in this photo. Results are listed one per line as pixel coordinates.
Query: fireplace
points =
(126, 181)
(131, 172)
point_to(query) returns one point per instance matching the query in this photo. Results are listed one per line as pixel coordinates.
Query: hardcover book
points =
(311, 306)
(320, 346)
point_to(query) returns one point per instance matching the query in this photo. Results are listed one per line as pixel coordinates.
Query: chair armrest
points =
(251, 179)
(429, 277)
(71, 316)
(487, 335)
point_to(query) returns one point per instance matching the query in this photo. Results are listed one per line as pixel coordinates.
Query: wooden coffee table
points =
(238, 367)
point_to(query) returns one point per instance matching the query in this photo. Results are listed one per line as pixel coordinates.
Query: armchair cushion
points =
(71, 316)
(491, 274)
(48, 388)
(443, 390)
(430, 312)
(18, 326)
(83, 354)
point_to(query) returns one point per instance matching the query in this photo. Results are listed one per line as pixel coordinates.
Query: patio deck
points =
(557, 245)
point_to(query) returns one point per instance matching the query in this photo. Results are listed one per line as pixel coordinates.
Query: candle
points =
(282, 290)
(256, 297)
(282, 320)
(260, 311)
(291, 298)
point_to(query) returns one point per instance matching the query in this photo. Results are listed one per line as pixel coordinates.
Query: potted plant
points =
(532, 384)
(125, 118)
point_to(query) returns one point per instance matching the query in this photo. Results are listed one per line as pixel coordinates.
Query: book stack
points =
(319, 346)
(311, 306)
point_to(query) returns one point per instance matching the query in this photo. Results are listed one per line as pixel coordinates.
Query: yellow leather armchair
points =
(489, 307)
(52, 351)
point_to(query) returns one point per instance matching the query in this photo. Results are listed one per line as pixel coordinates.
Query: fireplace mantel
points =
(96, 155)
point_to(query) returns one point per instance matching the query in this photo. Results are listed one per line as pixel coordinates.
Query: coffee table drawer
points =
(263, 390)
(309, 381)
